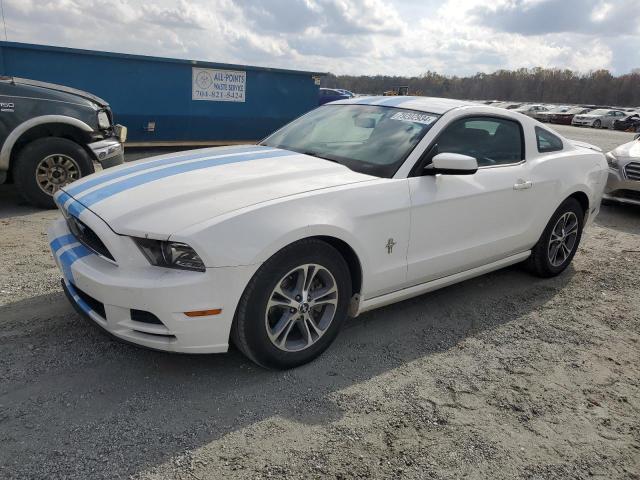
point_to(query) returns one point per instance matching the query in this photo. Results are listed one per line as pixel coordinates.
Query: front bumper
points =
(582, 123)
(621, 189)
(109, 152)
(143, 304)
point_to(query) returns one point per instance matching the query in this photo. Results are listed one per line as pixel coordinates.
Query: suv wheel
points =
(48, 164)
(294, 306)
(559, 241)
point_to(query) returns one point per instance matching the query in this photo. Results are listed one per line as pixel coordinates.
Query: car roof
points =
(423, 104)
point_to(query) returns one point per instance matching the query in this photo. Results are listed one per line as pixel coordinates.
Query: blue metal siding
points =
(142, 89)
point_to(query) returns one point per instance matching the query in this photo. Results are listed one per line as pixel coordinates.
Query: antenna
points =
(4, 23)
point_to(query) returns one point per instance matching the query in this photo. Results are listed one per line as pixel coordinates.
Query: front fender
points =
(365, 216)
(14, 136)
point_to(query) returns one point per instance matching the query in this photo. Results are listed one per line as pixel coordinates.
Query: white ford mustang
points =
(355, 205)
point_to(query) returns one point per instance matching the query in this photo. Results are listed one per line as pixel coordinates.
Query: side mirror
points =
(452, 164)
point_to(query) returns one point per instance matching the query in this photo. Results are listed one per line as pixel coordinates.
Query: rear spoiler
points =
(576, 143)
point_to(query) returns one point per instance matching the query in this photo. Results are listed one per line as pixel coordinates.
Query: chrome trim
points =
(521, 162)
(632, 174)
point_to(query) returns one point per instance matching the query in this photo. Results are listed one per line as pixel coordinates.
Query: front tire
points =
(597, 124)
(294, 306)
(559, 241)
(48, 164)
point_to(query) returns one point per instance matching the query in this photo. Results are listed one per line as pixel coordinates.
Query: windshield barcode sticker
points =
(414, 117)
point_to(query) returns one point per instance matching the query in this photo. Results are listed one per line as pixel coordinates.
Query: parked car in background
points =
(331, 95)
(50, 135)
(565, 118)
(623, 184)
(346, 92)
(344, 210)
(531, 110)
(599, 118)
(545, 116)
(629, 123)
(507, 105)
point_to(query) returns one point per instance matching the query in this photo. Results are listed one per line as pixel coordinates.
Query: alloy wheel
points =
(55, 171)
(563, 239)
(301, 307)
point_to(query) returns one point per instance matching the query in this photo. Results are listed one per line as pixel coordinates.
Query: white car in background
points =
(355, 205)
(599, 118)
(531, 110)
(623, 184)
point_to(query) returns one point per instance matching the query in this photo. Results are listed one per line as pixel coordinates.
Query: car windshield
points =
(577, 110)
(600, 111)
(366, 138)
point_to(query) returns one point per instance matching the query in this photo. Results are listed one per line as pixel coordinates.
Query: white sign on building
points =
(218, 85)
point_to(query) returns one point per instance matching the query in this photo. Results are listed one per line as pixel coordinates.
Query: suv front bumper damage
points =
(110, 151)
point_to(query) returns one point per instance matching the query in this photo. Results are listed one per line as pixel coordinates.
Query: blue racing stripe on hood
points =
(131, 182)
(135, 168)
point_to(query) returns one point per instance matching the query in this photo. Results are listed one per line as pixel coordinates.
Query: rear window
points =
(547, 141)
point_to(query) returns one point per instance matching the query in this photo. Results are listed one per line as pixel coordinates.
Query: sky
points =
(393, 37)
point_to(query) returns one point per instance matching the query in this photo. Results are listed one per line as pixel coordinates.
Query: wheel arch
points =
(338, 239)
(39, 127)
(582, 198)
(350, 257)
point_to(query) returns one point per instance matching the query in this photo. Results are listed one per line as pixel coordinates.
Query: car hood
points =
(61, 88)
(628, 150)
(163, 195)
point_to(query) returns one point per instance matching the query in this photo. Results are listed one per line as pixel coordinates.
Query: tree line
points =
(543, 85)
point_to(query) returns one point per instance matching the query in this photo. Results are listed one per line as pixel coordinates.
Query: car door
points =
(459, 222)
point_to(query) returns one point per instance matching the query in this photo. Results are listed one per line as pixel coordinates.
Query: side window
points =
(547, 141)
(490, 140)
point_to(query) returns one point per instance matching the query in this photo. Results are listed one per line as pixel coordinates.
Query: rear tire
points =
(559, 241)
(277, 331)
(47, 164)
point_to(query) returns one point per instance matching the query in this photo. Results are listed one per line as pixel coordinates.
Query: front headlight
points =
(170, 254)
(612, 160)
(103, 120)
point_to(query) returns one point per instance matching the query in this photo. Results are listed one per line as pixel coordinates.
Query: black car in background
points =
(50, 135)
(630, 123)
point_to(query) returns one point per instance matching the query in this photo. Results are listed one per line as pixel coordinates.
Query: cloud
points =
(393, 37)
(527, 17)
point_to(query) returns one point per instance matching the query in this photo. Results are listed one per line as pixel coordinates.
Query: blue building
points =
(171, 101)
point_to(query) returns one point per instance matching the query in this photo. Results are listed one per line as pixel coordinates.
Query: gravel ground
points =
(504, 376)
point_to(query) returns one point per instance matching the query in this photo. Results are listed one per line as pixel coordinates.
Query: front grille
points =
(632, 170)
(94, 304)
(628, 194)
(88, 237)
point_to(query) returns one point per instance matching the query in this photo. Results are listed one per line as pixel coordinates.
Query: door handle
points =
(522, 184)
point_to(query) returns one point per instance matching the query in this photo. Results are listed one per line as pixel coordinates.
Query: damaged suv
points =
(50, 136)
